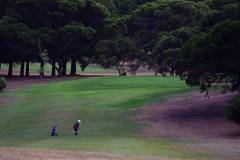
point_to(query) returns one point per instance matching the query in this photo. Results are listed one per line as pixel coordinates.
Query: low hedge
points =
(3, 83)
(233, 110)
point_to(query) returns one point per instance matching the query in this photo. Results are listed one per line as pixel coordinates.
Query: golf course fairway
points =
(106, 107)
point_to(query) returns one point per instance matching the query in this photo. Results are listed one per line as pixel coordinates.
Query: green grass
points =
(35, 68)
(104, 105)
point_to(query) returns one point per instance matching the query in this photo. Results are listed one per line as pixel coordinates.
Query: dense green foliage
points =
(197, 39)
(216, 55)
(3, 83)
(233, 111)
(164, 30)
(62, 30)
(115, 52)
(103, 104)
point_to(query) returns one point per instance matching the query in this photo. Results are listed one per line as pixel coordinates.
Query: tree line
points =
(196, 39)
(49, 31)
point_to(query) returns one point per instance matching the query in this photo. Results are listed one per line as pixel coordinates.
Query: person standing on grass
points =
(54, 131)
(77, 126)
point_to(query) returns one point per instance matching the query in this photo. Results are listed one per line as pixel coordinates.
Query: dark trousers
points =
(53, 134)
(76, 131)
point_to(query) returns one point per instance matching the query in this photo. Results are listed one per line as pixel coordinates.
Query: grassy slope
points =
(103, 104)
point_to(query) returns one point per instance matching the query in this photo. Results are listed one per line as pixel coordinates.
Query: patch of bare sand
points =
(43, 154)
(197, 121)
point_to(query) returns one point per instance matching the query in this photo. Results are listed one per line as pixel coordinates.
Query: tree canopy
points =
(196, 39)
(213, 57)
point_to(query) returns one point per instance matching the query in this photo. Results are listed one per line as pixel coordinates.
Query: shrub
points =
(3, 83)
(233, 110)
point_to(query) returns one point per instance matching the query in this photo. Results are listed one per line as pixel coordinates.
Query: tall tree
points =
(213, 58)
(116, 52)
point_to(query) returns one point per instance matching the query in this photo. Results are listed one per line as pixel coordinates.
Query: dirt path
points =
(197, 121)
(41, 154)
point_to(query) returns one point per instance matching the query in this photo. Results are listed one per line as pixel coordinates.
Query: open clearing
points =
(196, 120)
(115, 125)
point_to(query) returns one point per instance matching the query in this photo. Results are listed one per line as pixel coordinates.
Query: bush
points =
(3, 83)
(233, 111)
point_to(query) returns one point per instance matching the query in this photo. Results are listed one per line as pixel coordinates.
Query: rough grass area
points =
(105, 106)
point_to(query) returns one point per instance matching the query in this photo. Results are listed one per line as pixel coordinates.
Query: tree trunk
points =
(64, 70)
(156, 71)
(54, 68)
(10, 69)
(60, 68)
(119, 71)
(124, 73)
(42, 70)
(22, 69)
(73, 67)
(27, 68)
